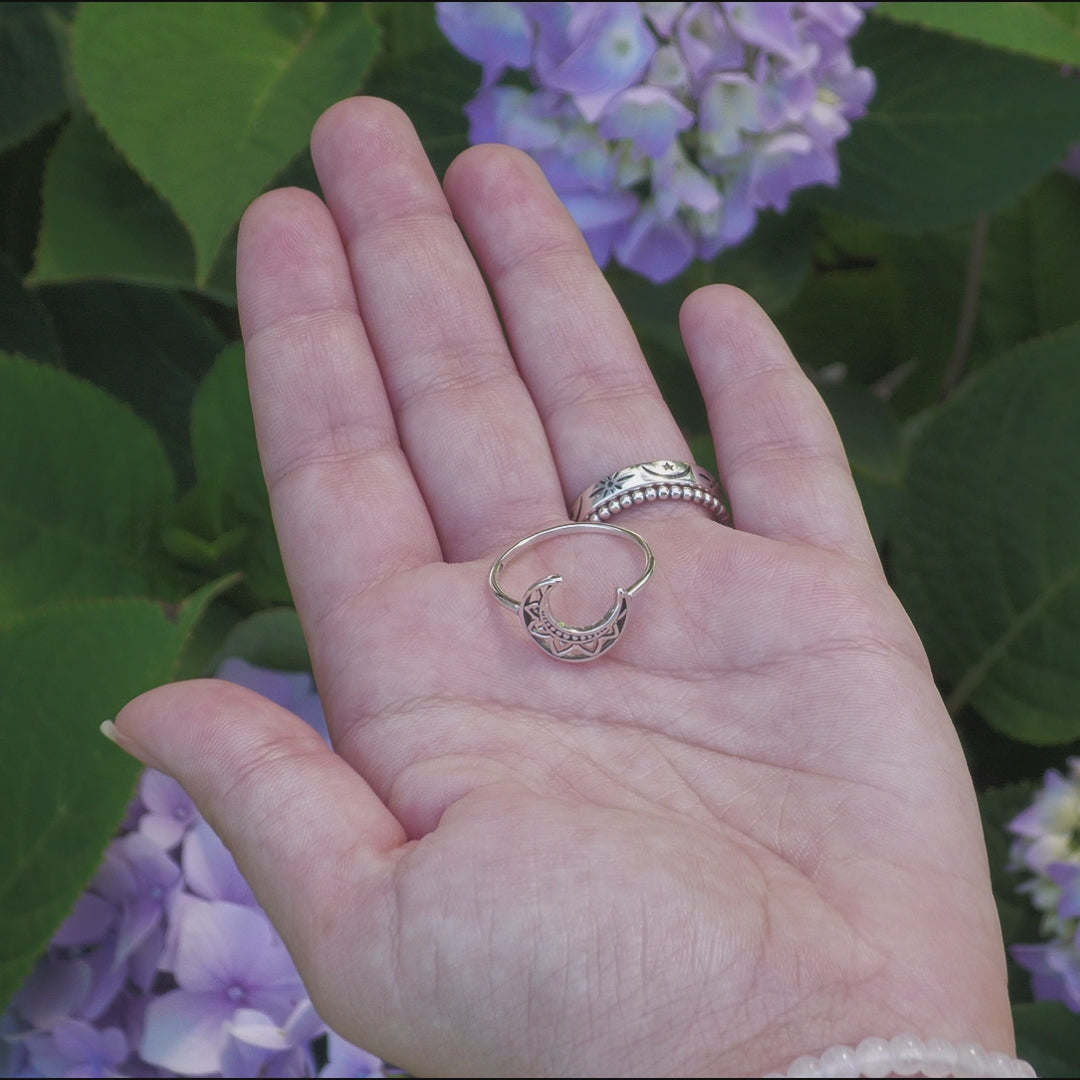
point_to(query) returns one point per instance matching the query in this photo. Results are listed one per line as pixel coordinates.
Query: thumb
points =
(307, 832)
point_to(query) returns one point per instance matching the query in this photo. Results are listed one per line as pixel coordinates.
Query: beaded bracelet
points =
(907, 1055)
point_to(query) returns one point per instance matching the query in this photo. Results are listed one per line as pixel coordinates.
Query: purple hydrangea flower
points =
(666, 127)
(168, 810)
(227, 958)
(167, 966)
(75, 1048)
(257, 1046)
(1046, 849)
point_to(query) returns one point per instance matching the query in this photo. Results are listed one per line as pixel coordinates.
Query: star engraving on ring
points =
(610, 485)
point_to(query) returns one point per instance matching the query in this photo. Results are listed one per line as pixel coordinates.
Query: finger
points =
(346, 509)
(600, 405)
(777, 448)
(466, 421)
(308, 834)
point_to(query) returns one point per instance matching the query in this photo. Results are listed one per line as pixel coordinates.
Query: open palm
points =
(745, 833)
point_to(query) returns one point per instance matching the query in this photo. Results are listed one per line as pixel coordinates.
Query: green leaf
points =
(955, 129)
(407, 28)
(33, 85)
(875, 450)
(24, 322)
(21, 171)
(1048, 1038)
(846, 319)
(209, 102)
(100, 220)
(270, 639)
(145, 346)
(988, 548)
(1030, 283)
(223, 443)
(228, 510)
(1037, 30)
(83, 495)
(64, 671)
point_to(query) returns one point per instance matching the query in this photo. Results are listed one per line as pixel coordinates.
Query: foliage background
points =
(934, 296)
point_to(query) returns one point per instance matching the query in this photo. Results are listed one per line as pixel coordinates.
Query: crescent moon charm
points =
(565, 642)
(557, 639)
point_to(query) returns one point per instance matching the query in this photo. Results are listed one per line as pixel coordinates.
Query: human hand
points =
(746, 833)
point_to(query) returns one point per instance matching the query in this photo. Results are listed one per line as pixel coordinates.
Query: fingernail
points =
(127, 744)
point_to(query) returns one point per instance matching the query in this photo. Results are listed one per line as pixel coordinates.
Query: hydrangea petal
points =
(657, 249)
(221, 944)
(730, 106)
(594, 211)
(497, 36)
(842, 19)
(668, 69)
(707, 41)
(183, 1031)
(210, 870)
(81, 1043)
(612, 47)
(169, 810)
(508, 114)
(108, 980)
(649, 117)
(663, 16)
(57, 987)
(89, 921)
(75, 1048)
(769, 26)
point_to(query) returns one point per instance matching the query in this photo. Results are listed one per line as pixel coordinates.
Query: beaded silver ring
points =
(650, 481)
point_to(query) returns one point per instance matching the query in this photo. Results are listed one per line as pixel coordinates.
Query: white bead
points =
(939, 1058)
(838, 1061)
(907, 1054)
(999, 1064)
(804, 1066)
(971, 1060)
(873, 1058)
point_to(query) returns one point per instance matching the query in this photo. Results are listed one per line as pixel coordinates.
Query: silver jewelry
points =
(908, 1055)
(649, 482)
(559, 639)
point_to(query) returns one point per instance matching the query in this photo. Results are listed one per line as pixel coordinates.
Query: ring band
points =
(649, 482)
(559, 639)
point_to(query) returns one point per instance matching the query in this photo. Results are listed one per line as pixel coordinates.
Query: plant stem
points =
(969, 306)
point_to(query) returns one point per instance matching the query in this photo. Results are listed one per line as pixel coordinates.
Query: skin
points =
(745, 834)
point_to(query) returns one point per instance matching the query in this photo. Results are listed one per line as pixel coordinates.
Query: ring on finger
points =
(650, 481)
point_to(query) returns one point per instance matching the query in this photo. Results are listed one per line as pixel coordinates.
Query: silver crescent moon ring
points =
(575, 644)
